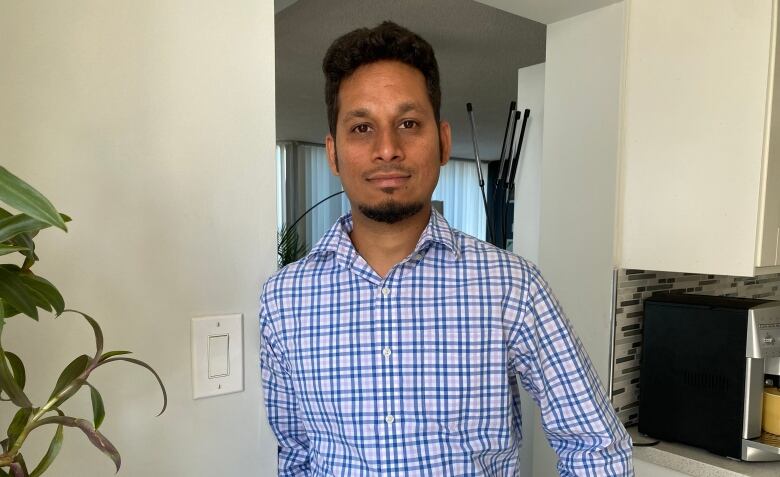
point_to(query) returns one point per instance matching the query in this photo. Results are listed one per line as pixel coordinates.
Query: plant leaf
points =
(6, 311)
(46, 290)
(144, 365)
(110, 354)
(98, 334)
(70, 373)
(51, 453)
(19, 224)
(9, 385)
(31, 235)
(23, 197)
(98, 411)
(5, 249)
(18, 470)
(289, 247)
(25, 240)
(17, 367)
(13, 291)
(95, 437)
(37, 298)
(18, 424)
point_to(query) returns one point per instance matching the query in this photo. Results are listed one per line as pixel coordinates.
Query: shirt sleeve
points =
(281, 405)
(577, 416)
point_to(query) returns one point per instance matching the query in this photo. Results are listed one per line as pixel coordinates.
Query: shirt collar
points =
(438, 231)
(336, 240)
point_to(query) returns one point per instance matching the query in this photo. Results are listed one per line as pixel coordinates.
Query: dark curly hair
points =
(386, 41)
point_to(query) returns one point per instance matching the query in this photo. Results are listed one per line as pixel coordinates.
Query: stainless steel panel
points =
(762, 449)
(763, 333)
(754, 398)
(772, 366)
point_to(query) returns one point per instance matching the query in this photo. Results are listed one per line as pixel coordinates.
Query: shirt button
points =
(418, 256)
(387, 352)
(385, 291)
(389, 419)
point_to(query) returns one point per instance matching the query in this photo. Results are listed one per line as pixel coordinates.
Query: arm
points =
(577, 416)
(281, 405)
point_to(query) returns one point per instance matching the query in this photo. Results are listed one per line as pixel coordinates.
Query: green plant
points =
(23, 293)
(289, 247)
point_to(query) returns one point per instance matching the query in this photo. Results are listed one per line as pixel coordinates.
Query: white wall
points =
(579, 173)
(152, 124)
(527, 208)
(528, 182)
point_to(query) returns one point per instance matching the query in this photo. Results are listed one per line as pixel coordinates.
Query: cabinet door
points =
(769, 216)
(694, 110)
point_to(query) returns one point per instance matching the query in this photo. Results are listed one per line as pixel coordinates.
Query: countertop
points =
(698, 462)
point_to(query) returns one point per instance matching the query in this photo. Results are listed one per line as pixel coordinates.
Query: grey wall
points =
(152, 124)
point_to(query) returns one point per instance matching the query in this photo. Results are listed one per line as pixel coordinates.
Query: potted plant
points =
(22, 292)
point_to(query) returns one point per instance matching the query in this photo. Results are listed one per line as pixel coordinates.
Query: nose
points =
(388, 145)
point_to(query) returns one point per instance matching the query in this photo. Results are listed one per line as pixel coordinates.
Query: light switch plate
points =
(217, 355)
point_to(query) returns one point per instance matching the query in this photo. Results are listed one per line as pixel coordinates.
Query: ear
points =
(445, 141)
(333, 160)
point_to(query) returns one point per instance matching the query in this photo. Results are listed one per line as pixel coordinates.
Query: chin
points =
(391, 211)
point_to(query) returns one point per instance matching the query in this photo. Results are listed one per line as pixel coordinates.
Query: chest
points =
(432, 354)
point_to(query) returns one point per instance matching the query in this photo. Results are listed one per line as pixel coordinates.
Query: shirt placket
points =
(391, 341)
(386, 297)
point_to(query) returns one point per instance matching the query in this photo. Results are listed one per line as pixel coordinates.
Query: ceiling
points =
(479, 49)
(545, 11)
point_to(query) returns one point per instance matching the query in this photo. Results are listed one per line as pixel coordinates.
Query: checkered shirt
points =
(415, 374)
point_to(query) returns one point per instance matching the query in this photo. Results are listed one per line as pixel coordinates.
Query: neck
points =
(383, 245)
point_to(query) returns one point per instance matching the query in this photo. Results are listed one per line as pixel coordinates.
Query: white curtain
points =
(304, 178)
(307, 180)
(281, 189)
(459, 190)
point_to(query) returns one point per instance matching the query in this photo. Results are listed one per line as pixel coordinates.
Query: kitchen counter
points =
(698, 462)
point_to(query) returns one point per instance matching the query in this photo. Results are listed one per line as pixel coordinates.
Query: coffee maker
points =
(705, 364)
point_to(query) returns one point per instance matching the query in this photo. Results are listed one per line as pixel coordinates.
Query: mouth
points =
(384, 181)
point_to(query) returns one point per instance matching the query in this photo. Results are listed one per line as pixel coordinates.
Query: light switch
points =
(217, 355)
(219, 361)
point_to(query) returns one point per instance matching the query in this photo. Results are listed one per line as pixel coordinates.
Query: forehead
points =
(383, 84)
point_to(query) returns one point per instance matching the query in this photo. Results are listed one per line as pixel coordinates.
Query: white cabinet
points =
(700, 152)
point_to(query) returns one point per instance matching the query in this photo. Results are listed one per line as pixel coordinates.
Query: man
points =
(392, 348)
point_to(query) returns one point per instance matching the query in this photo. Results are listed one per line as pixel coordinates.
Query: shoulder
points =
(290, 280)
(516, 278)
(476, 252)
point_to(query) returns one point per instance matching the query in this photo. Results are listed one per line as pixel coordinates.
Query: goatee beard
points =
(390, 212)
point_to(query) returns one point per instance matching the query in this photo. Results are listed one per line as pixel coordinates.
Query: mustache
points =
(387, 170)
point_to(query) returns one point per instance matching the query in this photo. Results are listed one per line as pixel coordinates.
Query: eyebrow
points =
(356, 113)
(407, 106)
(403, 108)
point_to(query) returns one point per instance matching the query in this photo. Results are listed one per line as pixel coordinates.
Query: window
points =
(304, 178)
(459, 190)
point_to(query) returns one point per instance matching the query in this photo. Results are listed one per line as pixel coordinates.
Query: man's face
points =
(388, 147)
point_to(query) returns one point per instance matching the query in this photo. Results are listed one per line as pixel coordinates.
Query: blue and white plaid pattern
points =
(414, 374)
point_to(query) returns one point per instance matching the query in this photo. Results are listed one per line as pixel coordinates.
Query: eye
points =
(408, 124)
(361, 128)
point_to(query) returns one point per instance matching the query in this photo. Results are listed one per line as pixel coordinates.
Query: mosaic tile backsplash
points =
(633, 286)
